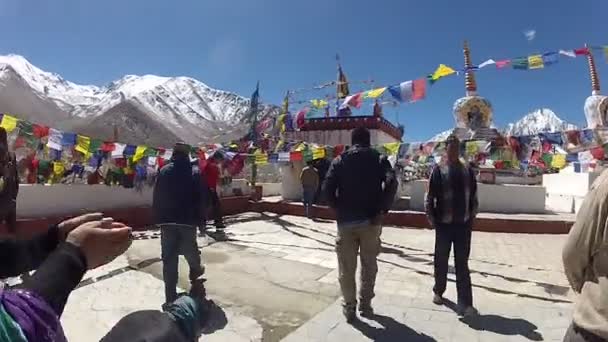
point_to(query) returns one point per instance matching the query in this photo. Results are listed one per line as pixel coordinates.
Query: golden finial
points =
(469, 76)
(595, 81)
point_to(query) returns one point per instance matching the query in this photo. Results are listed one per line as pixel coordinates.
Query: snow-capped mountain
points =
(167, 108)
(541, 120)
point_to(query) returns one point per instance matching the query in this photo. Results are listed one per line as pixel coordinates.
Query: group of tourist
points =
(360, 186)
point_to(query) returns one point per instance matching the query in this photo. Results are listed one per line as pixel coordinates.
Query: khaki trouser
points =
(350, 241)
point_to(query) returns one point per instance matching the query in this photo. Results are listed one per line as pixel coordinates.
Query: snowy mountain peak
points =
(541, 120)
(187, 107)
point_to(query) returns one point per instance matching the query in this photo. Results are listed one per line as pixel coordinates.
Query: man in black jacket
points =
(178, 204)
(360, 186)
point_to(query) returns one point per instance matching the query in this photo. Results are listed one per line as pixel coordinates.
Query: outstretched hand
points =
(101, 241)
(67, 226)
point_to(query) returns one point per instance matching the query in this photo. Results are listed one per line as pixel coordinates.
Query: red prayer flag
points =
(40, 131)
(581, 51)
(598, 153)
(503, 63)
(108, 147)
(295, 156)
(419, 89)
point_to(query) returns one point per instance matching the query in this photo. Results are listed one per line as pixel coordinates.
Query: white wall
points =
(50, 200)
(271, 189)
(567, 190)
(524, 199)
(291, 188)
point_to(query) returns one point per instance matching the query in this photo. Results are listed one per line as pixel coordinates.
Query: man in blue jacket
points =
(178, 204)
(360, 186)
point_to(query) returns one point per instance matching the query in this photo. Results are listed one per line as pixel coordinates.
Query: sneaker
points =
(366, 310)
(437, 299)
(469, 312)
(349, 314)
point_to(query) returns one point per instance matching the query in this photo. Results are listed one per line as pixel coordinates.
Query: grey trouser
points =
(178, 240)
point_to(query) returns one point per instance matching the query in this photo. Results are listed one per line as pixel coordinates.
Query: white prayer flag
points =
(486, 63)
(55, 138)
(568, 53)
(119, 150)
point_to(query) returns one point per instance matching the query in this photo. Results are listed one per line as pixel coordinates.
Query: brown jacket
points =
(309, 177)
(585, 259)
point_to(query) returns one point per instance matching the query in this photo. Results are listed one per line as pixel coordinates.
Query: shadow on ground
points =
(499, 325)
(215, 318)
(393, 330)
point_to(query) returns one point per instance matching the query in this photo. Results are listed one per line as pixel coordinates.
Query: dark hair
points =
(452, 139)
(360, 136)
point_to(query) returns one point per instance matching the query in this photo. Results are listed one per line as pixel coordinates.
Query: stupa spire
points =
(469, 76)
(595, 80)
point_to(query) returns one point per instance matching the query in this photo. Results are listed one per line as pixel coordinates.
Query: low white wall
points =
(51, 200)
(271, 189)
(567, 190)
(494, 198)
(229, 190)
(291, 188)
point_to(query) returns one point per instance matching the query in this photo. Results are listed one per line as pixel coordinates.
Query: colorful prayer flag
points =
(342, 86)
(295, 156)
(68, 139)
(58, 168)
(139, 153)
(119, 150)
(374, 93)
(568, 53)
(582, 51)
(392, 148)
(9, 123)
(301, 117)
(535, 62)
(502, 64)
(82, 144)
(353, 101)
(318, 153)
(55, 138)
(319, 104)
(605, 48)
(558, 161)
(403, 92)
(550, 58)
(486, 63)
(442, 71)
(520, 63)
(419, 89)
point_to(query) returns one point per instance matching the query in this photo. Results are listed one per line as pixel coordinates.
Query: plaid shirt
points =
(452, 195)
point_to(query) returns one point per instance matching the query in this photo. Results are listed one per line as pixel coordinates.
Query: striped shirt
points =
(452, 194)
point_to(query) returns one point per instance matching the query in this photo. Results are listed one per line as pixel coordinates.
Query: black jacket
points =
(180, 194)
(360, 184)
(19, 256)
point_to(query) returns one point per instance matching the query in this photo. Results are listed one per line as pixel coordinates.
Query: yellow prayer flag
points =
(9, 123)
(558, 161)
(261, 158)
(442, 71)
(58, 168)
(318, 153)
(140, 151)
(535, 62)
(392, 148)
(82, 144)
(471, 148)
(281, 122)
(300, 147)
(319, 104)
(606, 53)
(374, 93)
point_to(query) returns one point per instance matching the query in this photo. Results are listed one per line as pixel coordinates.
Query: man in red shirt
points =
(211, 173)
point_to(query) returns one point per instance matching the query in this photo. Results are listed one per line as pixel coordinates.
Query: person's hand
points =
(67, 226)
(100, 241)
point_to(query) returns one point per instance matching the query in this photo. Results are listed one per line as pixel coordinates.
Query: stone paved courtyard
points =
(275, 279)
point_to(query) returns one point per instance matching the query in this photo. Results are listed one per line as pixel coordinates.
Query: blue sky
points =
(288, 44)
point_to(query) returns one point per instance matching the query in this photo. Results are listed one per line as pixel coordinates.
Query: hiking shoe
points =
(469, 312)
(366, 310)
(437, 299)
(220, 225)
(349, 313)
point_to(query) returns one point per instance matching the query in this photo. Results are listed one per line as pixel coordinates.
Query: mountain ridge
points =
(541, 120)
(189, 110)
